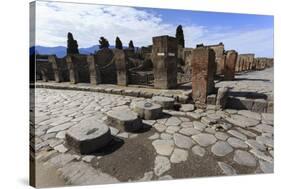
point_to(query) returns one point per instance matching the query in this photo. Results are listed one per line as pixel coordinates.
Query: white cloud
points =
(89, 22)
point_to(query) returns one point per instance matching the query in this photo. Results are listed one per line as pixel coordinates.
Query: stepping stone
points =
(178, 156)
(237, 134)
(227, 169)
(266, 167)
(165, 102)
(221, 148)
(161, 165)
(204, 139)
(193, 115)
(187, 107)
(163, 147)
(189, 131)
(88, 136)
(197, 150)
(244, 158)
(236, 143)
(182, 141)
(250, 114)
(126, 119)
(147, 110)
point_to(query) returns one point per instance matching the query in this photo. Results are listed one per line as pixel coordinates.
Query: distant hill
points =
(60, 51)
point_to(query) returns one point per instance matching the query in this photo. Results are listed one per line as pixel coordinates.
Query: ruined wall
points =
(78, 68)
(230, 65)
(164, 58)
(59, 67)
(220, 57)
(44, 70)
(245, 62)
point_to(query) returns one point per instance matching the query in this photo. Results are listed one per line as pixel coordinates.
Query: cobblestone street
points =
(183, 143)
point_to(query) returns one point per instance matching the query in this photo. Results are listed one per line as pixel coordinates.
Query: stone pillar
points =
(95, 77)
(164, 58)
(229, 69)
(56, 68)
(121, 67)
(203, 70)
(72, 69)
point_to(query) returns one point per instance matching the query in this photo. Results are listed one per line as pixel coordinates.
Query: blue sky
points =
(242, 32)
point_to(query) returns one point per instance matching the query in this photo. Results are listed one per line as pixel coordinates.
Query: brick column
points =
(203, 70)
(164, 58)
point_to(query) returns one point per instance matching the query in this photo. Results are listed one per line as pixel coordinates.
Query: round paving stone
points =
(182, 141)
(244, 158)
(88, 136)
(221, 135)
(204, 139)
(236, 143)
(178, 156)
(126, 118)
(197, 150)
(165, 102)
(163, 147)
(221, 148)
(147, 110)
(161, 165)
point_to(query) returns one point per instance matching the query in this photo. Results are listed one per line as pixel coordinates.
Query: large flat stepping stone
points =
(204, 139)
(244, 158)
(165, 102)
(147, 110)
(163, 147)
(221, 148)
(125, 118)
(88, 136)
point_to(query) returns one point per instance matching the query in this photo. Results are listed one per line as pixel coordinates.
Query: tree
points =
(131, 45)
(103, 43)
(180, 36)
(72, 46)
(118, 43)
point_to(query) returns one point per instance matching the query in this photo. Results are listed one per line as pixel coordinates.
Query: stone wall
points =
(245, 62)
(220, 57)
(78, 68)
(44, 70)
(230, 64)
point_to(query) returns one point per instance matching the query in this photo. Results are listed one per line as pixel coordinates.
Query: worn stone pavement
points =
(186, 143)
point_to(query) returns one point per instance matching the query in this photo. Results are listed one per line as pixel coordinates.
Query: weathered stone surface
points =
(263, 128)
(227, 169)
(221, 148)
(165, 102)
(166, 136)
(88, 136)
(261, 155)
(163, 147)
(126, 119)
(178, 156)
(173, 121)
(208, 120)
(237, 134)
(242, 121)
(204, 139)
(266, 167)
(268, 141)
(60, 127)
(61, 160)
(61, 148)
(154, 136)
(193, 115)
(172, 129)
(244, 158)
(250, 114)
(230, 64)
(147, 110)
(236, 143)
(203, 70)
(255, 145)
(182, 141)
(198, 125)
(187, 107)
(161, 165)
(197, 150)
(164, 58)
(121, 67)
(221, 135)
(159, 127)
(189, 131)
(221, 97)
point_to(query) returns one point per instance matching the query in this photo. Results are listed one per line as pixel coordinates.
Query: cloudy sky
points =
(87, 22)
